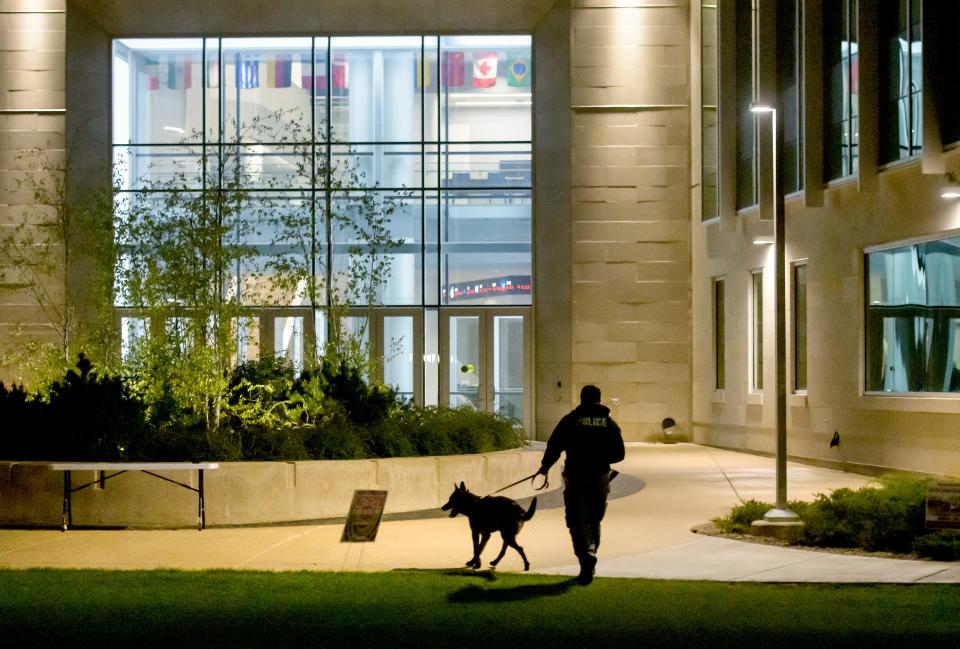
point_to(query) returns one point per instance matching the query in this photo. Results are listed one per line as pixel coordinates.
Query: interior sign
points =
(363, 521)
(943, 505)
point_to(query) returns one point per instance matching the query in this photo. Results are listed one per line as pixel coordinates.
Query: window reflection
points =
(901, 71)
(841, 88)
(913, 306)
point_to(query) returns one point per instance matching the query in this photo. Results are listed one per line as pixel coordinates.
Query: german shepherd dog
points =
(488, 515)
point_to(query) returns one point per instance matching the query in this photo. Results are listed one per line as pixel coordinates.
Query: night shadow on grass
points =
(485, 575)
(475, 594)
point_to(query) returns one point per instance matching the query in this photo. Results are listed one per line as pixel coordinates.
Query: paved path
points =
(646, 534)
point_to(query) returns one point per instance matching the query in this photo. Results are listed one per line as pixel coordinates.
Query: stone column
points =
(31, 118)
(630, 219)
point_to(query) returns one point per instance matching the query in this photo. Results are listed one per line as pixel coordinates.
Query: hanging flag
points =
(179, 72)
(340, 73)
(421, 69)
(453, 72)
(213, 74)
(484, 69)
(246, 71)
(320, 77)
(278, 71)
(854, 74)
(518, 71)
(152, 69)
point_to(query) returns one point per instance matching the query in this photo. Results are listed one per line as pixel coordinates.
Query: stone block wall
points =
(32, 82)
(630, 208)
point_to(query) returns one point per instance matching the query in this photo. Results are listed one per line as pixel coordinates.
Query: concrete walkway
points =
(646, 534)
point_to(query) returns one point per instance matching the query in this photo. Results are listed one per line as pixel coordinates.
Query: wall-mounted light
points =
(952, 188)
(760, 107)
(763, 240)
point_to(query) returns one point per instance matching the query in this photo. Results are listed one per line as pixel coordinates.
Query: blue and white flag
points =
(247, 71)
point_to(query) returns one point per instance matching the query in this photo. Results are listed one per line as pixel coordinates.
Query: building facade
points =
(587, 211)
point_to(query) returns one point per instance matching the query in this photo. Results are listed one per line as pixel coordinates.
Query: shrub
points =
(330, 413)
(884, 517)
(20, 415)
(361, 401)
(888, 515)
(93, 418)
(340, 439)
(256, 419)
(742, 516)
(941, 546)
(387, 439)
(448, 431)
(271, 372)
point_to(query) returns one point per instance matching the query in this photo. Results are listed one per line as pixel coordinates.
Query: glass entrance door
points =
(487, 361)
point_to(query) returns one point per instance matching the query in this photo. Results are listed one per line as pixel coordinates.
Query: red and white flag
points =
(484, 69)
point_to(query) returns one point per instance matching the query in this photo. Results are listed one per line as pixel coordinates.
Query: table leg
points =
(202, 515)
(67, 515)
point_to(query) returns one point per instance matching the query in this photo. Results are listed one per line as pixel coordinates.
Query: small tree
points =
(56, 252)
(202, 241)
(354, 280)
(185, 238)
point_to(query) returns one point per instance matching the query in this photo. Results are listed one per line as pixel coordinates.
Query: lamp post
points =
(781, 511)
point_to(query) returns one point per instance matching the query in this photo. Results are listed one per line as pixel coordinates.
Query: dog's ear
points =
(463, 487)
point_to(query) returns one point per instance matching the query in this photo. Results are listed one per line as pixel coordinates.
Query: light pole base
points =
(790, 531)
(781, 515)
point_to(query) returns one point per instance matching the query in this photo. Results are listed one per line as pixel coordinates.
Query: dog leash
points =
(546, 482)
(531, 478)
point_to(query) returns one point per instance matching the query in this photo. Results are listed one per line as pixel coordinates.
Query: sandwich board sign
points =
(943, 505)
(363, 520)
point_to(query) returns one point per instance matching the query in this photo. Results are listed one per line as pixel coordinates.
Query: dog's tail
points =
(530, 512)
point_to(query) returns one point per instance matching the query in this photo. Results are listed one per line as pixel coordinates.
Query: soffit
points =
(228, 17)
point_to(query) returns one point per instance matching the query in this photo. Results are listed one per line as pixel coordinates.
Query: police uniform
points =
(592, 441)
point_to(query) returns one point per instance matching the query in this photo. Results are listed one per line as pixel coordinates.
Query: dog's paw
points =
(473, 563)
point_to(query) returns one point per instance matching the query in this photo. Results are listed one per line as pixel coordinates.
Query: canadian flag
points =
(484, 69)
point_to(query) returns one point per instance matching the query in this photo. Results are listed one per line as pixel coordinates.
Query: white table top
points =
(131, 466)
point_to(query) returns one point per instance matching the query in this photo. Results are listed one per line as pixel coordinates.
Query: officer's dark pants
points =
(585, 502)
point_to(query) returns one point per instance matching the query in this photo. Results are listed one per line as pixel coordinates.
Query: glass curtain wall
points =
(318, 129)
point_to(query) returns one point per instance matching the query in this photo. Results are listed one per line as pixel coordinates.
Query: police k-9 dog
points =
(488, 515)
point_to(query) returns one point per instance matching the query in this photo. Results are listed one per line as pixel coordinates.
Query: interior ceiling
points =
(226, 17)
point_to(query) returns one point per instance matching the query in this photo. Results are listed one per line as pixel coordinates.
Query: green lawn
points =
(457, 609)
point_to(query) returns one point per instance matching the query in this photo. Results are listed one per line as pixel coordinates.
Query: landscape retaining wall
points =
(246, 493)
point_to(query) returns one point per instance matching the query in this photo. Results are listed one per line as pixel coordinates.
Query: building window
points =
(799, 327)
(789, 83)
(709, 140)
(311, 131)
(719, 335)
(947, 88)
(747, 123)
(756, 331)
(443, 122)
(841, 88)
(901, 79)
(913, 317)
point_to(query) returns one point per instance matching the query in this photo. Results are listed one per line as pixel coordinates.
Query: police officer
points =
(592, 441)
